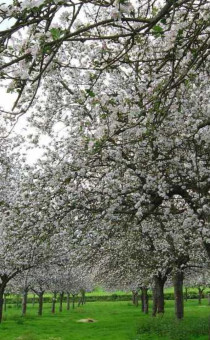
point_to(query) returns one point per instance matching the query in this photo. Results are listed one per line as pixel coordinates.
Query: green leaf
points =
(157, 31)
(46, 49)
(163, 21)
(90, 93)
(56, 33)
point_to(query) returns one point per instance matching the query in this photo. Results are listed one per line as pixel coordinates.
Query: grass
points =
(99, 291)
(115, 321)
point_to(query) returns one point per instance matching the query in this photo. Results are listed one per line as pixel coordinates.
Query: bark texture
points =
(68, 301)
(135, 298)
(24, 301)
(178, 294)
(2, 289)
(144, 300)
(158, 295)
(61, 302)
(40, 303)
(53, 302)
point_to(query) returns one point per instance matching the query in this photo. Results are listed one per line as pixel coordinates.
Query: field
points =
(114, 321)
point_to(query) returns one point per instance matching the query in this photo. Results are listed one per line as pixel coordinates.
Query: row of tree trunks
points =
(158, 296)
(40, 297)
(61, 296)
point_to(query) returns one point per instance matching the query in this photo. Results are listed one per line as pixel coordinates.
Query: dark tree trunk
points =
(33, 300)
(5, 302)
(68, 301)
(186, 294)
(178, 294)
(73, 301)
(158, 295)
(200, 294)
(40, 295)
(61, 302)
(144, 300)
(2, 289)
(1, 302)
(83, 296)
(54, 302)
(135, 299)
(24, 301)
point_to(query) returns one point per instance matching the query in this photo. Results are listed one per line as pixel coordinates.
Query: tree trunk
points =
(186, 294)
(68, 301)
(2, 289)
(53, 302)
(33, 300)
(178, 294)
(73, 301)
(135, 299)
(144, 300)
(5, 302)
(24, 301)
(1, 302)
(200, 295)
(83, 296)
(158, 295)
(61, 302)
(40, 295)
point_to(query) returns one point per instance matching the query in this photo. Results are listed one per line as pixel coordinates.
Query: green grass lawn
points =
(99, 291)
(115, 321)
